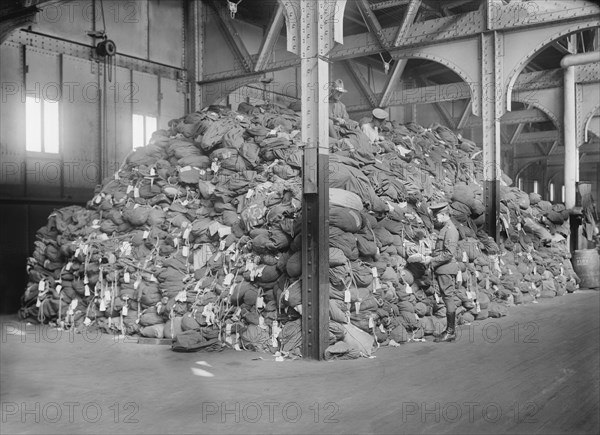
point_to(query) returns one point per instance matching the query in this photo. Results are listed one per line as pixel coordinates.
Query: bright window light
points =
(520, 183)
(551, 191)
(51, 126)
(138, 131)
(142, 128)
(562, 194)
(33, 127)
(536, 186)
(41, 125)
(150, 127)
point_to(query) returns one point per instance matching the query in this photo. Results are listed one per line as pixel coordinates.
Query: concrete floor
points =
(535, 371)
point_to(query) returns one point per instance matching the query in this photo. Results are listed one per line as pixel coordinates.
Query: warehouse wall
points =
(95, 113)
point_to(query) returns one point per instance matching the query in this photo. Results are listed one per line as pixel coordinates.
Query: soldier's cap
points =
(437, 207)
(380, 114)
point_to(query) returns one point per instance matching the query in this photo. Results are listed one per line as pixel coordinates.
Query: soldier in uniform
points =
(445, 267)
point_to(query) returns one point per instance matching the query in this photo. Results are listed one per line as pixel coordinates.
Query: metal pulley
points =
(106, 48)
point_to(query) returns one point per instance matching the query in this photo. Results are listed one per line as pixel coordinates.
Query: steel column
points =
(570, 142)
(194, 51)
(316, 40)
(491, 110)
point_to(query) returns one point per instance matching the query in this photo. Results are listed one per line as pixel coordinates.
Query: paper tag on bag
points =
(347, 296)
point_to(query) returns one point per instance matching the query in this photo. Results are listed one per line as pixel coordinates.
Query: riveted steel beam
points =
(232, 36)
(361, 82)
(387, 4)
(372, 22)
(407, 21)
(274, 29)
(316, 38)
(437, 32)
(83, 51)
(516, 117)
(538, 136)
(491, 47)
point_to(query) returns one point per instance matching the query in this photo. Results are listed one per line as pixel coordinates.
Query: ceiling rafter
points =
(361, 82)
(372, 23)
(273, 30)
(407, 21)
(232, 36)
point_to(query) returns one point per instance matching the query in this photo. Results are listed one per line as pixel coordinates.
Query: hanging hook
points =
(233, 8)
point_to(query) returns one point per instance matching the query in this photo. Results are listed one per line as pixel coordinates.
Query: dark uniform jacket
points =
(442, 258)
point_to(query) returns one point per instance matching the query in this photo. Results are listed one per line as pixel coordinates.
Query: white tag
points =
(477, 307)
(374, 272)
(214, 166)
(470, 295)
(228, 279)
(87, 290)
(286, 295)
(408, 289)
(347, 296)
(459, 277)
(129, 188)
(137, 283)
(381, 328)
(126, 277)
(68, 266)
(152, 172)
(145, 235)
(222, 245)
(465, 257)
(136, 192)
(58, 288)
(125, 310)
(186, 233)
(260, 303)
(250, 193)
(153, 278)
(416, 316)
(102, 305)
(185, 251)
(261, 322)
(85, 279)
(437, 298)
(41, 286)
(371, 323)
(87, 321)
(357, 307)
(116, 175)
(176, 242)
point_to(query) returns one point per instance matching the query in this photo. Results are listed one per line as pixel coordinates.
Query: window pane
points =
(150, 127)
(562, 195)
(33, 124)
(551, 191)
(138, 131)
(535, 186)
(51, 125)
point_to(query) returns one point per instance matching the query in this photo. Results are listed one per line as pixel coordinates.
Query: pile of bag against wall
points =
(196, 238)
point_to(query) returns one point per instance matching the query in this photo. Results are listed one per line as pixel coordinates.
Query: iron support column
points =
(316, 40)
(491, 105)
